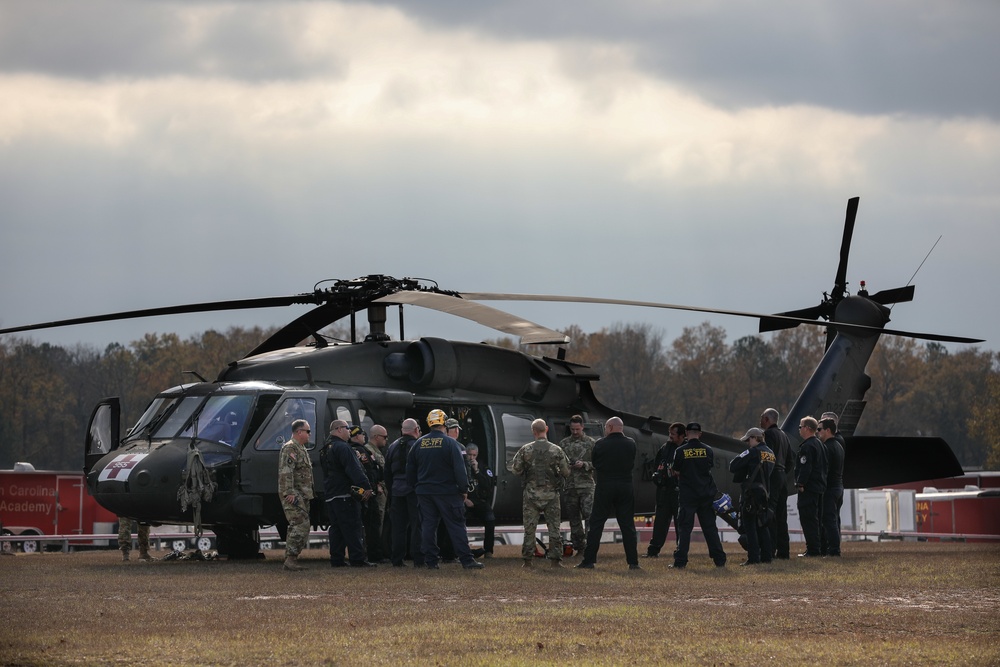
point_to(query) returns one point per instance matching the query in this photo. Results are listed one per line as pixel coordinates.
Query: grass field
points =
(893, 603)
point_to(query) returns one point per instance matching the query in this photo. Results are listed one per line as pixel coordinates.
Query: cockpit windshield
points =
(220, 418)
(151, 418)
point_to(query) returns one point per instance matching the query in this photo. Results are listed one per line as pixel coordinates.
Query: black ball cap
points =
(693, 426)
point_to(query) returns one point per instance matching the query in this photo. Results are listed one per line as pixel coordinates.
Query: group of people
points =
(686, 488)
(428, 483)
(819, 480)
(432, 484)
(592, 479)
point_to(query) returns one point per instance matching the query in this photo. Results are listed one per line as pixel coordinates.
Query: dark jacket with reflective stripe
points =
(434, 465)
(694, 461)
(744, 468)
(341, 469)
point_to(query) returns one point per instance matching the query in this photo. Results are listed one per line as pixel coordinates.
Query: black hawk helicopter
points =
(233, 427)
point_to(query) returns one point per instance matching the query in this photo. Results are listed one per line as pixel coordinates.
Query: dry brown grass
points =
(900, 603)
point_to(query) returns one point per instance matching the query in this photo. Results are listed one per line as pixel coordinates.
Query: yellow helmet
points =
(436, 418)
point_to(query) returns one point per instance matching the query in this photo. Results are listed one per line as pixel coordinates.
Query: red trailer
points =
(964, 514)
(969, 481)
(49, 502)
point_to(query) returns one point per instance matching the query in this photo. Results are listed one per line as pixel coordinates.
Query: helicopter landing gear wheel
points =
(204, 543)
(178, 545)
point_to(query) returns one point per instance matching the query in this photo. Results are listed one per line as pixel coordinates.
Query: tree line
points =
(47, 392)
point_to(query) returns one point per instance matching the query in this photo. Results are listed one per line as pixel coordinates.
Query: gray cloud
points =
(932, 58)
(111, 38)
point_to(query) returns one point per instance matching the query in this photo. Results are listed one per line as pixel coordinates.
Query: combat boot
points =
(556, 563)
(526, 563)
(144, 555)
(125, 555)
(292, 563)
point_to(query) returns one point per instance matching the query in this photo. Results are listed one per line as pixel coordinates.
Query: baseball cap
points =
(452, 423)
(693, 426)
(753, 433)
(357, 430)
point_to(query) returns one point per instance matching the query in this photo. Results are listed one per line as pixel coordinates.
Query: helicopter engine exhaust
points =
(434, 363)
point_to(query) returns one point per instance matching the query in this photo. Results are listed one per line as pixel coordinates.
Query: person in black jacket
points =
(341, 471)
(810, 481)
(369, 512)
(784, 469)
(753, 469)
(479, 503)
(693, 463)
(404, 515)
(613, 458)
(666, 490)
(833, 497)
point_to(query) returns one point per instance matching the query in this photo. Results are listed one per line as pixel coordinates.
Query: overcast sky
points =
(158, 153)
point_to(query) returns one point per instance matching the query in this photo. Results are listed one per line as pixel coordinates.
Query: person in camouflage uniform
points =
(543, 465)
(295, 487)
(578, 493)
(125, 538)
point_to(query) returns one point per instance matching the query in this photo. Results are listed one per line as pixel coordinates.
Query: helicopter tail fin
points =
(872, 461)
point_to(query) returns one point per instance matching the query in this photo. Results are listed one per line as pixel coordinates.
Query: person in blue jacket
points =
(435, 468)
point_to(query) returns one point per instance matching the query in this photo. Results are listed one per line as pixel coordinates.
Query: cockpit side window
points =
(344, 413)
(279, 430)
(101, 440)
(265, 405)
(335, 409)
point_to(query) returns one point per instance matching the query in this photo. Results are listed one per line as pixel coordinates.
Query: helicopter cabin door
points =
(259, 461)
(103, 432)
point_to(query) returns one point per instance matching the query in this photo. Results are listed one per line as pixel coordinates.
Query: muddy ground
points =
(881, 603)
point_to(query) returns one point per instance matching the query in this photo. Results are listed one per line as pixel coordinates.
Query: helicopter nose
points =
(146, 491)
(143, 478)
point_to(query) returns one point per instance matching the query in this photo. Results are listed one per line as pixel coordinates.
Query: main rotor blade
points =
(529, 332)
(840, 283)
(238, 304)
(491, 296)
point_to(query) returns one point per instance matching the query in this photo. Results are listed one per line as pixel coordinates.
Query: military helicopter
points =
(232, 428)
